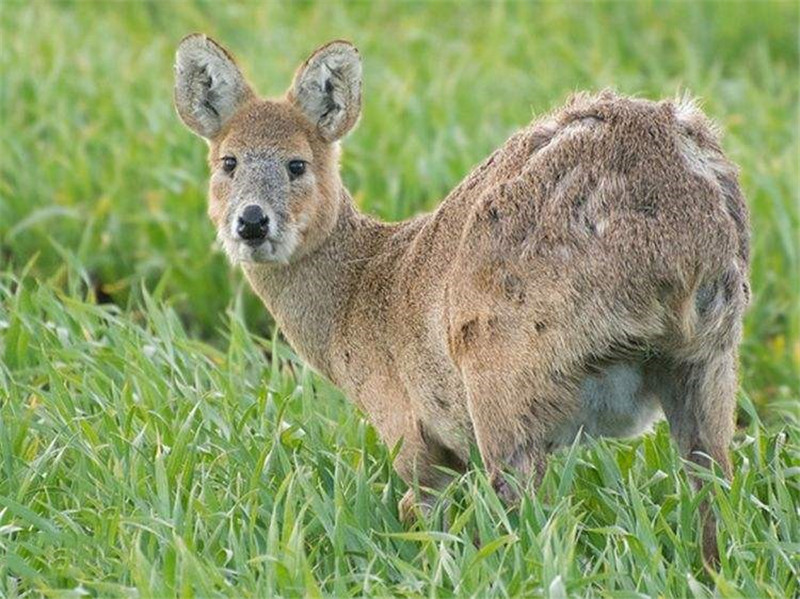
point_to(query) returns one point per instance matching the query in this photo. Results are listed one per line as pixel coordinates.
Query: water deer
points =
(590, 274)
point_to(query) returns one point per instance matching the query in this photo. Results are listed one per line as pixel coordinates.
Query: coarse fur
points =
(588, 274)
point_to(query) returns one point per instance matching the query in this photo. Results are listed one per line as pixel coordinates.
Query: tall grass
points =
(138, 460)
(156, 436)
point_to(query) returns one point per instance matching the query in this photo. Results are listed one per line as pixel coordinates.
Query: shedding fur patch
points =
(698, 144)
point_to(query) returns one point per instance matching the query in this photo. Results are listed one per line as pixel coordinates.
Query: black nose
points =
(253, 224)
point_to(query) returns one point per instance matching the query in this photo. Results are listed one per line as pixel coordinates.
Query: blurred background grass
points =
(160, 448)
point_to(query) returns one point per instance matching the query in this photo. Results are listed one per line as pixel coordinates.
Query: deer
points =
(590, 275)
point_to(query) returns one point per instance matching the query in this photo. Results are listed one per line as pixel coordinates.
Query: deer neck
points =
(309, 296)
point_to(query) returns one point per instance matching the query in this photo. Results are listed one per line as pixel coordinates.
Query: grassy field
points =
(157, 438)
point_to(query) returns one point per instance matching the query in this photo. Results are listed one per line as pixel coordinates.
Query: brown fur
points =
(603, 244)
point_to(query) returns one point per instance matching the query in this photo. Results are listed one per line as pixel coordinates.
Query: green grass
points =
(169, 444)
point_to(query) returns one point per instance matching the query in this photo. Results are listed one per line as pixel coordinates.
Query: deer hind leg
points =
(696, 382)
(699, 400)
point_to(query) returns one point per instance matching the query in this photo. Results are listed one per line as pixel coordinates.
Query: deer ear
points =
(209, 87)
(327, 89)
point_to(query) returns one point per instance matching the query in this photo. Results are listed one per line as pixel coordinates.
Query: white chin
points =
(268, 251)
(243, 252)
(260, 253)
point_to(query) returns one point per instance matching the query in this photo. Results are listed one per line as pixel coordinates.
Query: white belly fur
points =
(613, 404)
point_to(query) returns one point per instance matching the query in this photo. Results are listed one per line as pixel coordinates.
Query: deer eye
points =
(228, 164)
(296, 168)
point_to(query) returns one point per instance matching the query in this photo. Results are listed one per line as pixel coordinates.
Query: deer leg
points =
(514, 411)
(699, 401)
(423, 459)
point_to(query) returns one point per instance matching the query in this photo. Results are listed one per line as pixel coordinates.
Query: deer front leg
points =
(514, 414)
(519, 391)
(426, 461)
(422, 462)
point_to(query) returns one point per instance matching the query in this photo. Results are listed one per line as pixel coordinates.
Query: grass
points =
(157, 438)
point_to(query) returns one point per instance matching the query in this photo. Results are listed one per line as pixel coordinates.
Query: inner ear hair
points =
(327, 89)
(209, 87)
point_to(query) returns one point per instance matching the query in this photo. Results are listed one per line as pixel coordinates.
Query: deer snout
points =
(253, 225)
